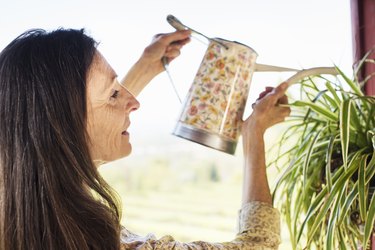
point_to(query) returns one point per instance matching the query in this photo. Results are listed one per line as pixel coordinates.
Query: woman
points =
(63, 112)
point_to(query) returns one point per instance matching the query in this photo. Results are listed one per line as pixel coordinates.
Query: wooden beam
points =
(363, 28)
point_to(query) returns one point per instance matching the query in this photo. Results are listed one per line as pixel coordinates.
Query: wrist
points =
(253, 127)
(143, 70)
(253, 137)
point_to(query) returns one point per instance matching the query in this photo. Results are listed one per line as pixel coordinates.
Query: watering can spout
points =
(311, 72)
(300, 73)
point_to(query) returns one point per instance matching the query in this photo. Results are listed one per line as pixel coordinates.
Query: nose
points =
(131, 104)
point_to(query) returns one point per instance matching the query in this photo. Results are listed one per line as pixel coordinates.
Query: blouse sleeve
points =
(259, 229)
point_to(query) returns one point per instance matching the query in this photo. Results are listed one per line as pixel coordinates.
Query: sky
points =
(289, 33)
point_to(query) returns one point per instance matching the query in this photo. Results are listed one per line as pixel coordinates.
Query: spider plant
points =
(325, 189)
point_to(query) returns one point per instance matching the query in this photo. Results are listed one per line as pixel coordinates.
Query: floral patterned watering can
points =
(213, 109)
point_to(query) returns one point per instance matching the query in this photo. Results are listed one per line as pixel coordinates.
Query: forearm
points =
(255, 185)
(138, 77)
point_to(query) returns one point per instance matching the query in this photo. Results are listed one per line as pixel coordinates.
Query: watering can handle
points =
(178, 25)
(309, 72)
(267, 68)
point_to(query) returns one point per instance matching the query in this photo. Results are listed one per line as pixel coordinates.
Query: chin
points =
(107, 155)
(124, 153)
(128, 152)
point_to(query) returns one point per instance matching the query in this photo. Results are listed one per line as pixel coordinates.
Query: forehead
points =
(100, 65)
(101, 74)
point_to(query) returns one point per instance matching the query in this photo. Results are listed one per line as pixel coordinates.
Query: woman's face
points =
(108, 107)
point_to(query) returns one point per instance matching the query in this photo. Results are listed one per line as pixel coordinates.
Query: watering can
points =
(212, 112)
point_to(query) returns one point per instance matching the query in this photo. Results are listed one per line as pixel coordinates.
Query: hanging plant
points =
(326, 188)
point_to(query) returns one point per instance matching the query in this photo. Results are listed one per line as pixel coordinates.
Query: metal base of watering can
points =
(205, 138)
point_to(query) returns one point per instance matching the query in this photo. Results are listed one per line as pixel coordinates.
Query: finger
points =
(182, 42)
(265, 92)
(277, 93)
(261, 95)
(280, 90)
(172, 53)
(179, 35)
(284, 111)
(174, 46)
(283, 100)
(253, 105)
(170, 59)
(158, 36)
(268, 89)
(185, 41)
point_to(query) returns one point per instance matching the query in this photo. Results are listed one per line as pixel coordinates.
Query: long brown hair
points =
(51, 194)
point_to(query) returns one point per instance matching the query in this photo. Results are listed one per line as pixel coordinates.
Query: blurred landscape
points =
(170, 186)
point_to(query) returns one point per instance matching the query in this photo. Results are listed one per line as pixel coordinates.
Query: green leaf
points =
(347, 203)
(328, 162)
(331, 228)
(362, 188)
(355, 119)
(353, 240)
(344, 129)
(308, 155)
(318, 109)
(291, 168)
(334, 94)
(341, 239)
(330, 102)
(355, 87)
(288, 219)
(362, 61)
(369, 223)
(370, 170)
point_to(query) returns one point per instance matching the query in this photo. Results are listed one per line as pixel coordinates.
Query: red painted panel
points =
(363, 28)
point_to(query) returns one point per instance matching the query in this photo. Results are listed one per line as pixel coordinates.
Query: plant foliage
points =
(327, 163)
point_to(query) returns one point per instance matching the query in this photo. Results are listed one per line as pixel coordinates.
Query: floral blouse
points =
(259, 229)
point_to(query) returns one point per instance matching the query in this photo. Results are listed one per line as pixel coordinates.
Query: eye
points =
(115, 94)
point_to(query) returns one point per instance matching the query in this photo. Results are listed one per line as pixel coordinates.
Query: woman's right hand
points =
(166, 45)
(150, 64)
(267, 110)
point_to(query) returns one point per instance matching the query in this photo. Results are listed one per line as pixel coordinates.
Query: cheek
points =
(109, 121)
(105, 128)
(105, 124)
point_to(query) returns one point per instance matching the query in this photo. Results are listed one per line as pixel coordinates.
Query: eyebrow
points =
(104, 87)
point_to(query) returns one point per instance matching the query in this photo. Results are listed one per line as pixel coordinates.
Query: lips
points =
(125, 132)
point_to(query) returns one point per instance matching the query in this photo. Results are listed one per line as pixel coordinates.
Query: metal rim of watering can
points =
(205, 138)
